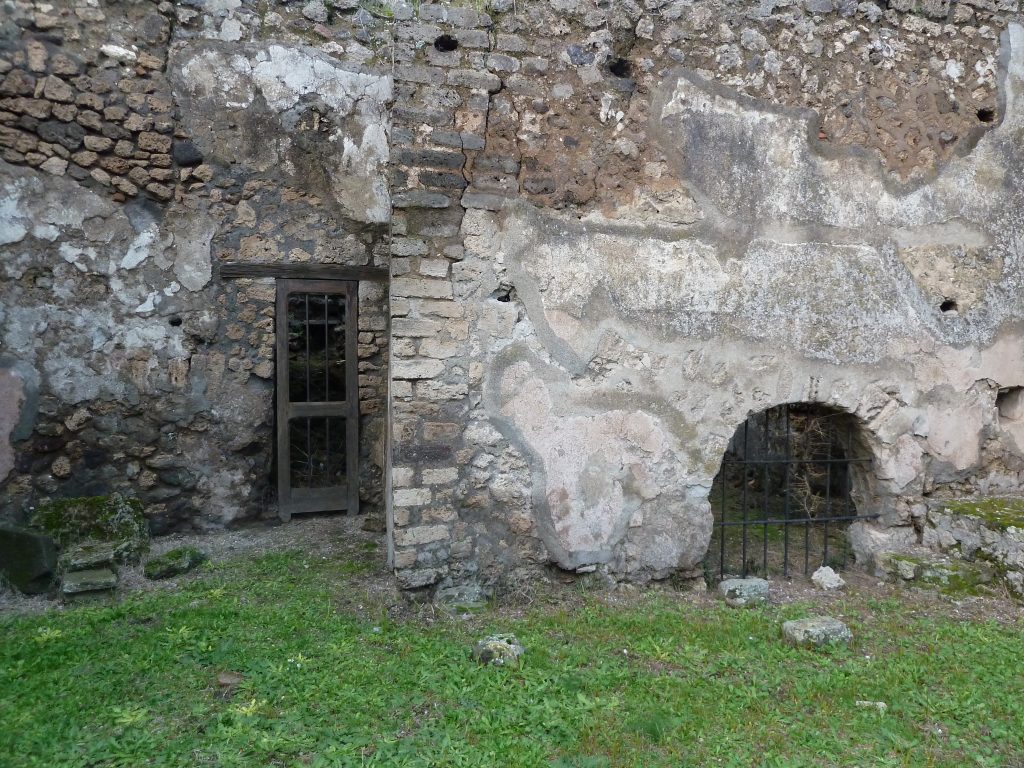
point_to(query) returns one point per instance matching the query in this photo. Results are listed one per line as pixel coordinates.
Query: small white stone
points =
(827, 579)
(119, 53)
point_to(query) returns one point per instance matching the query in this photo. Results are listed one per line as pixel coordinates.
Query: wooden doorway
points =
(317, 396)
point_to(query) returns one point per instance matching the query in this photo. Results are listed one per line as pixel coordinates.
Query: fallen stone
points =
(461, 599)
(89, 555)
(28, 559)
(815, 632)
(173, 563)
(498, 651)
(827, 579)
(743, 593)
(111, 518)
(93, 580)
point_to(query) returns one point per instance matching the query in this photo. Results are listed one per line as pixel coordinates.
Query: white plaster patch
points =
(287, 74)
(138, 251)
(13, 222)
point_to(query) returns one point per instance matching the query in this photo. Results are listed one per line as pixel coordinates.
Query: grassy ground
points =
(274, 661)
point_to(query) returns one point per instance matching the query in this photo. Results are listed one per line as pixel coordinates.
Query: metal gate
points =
(317, 396)
(782, 498)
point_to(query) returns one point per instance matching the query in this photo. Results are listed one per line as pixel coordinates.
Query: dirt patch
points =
(371, 591)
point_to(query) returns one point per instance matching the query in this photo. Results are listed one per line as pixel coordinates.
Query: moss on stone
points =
(999, 513)
(111, 518)
(173, 563)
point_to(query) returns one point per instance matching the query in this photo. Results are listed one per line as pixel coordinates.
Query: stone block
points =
(418, 288)
(424, 75)
(440, 476)
(416, 368)
(412, 497)
(93, 580)
(512, 43)
(28, 559)
(419, 198)
(484, 200)
(423, 534)
(174, 563)
(150, 141)
(815, 632)
(744, 593)
(827, 579)
(430, 158)
(411, 326)
(468, 78)
(89, 555)
(498, 651)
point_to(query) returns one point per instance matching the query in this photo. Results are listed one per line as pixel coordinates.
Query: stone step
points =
(88, 581)
(90, 555)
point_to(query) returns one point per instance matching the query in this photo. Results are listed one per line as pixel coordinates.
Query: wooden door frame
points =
(328, 499)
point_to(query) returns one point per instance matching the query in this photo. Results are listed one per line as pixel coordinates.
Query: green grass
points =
(328, 680)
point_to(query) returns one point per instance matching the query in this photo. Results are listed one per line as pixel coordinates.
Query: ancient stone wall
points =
(604, 262)
(614, 230)
(143, 145)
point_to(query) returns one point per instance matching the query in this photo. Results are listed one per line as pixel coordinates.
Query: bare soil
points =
(372, 591)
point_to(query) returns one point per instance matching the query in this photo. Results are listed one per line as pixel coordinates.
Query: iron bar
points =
(765, 480)
(786, 503)
(746, 454)
(828, 496)
(806, 523)
(721, 534)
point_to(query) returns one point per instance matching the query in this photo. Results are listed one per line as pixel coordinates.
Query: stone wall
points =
(604, 262)
(613, 232)
(144, 144)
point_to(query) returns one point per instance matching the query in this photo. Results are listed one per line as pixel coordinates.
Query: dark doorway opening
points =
(317, 396)
(783, 498)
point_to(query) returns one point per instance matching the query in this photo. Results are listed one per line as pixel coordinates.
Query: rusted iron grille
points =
(782, 499)
(317, 396)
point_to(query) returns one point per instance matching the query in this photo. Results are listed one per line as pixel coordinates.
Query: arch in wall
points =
(792, 479)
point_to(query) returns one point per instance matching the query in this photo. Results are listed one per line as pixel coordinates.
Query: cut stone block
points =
(174, 563)
(93, 580)
(90, 555)
(743, 593)
(815, 632)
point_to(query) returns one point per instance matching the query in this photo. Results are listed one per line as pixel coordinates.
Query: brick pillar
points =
(438, 125)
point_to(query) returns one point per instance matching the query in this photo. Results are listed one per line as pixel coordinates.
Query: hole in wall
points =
(505, 293)
(949, 307)
(1010, 402)
(986, 114)
(446, 44)
(620, 67)
(786, 493)
(174, 322)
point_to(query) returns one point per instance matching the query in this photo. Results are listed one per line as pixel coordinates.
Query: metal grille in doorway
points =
(317, 396)
(782, 500)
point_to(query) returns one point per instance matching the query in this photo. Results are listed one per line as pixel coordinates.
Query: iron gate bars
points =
(317, 396)
(784, 492)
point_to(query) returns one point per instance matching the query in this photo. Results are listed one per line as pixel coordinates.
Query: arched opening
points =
(784, 495)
